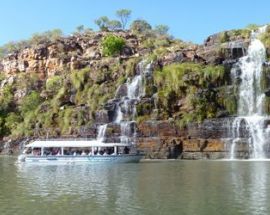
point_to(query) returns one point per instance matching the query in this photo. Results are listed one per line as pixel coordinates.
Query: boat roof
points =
(71, 144)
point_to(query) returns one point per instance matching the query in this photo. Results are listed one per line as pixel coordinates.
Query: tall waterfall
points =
(251, 99)
(126, 107)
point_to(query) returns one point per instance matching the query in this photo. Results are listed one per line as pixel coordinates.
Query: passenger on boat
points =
(74, 153)
(126, 150)
(83, 153)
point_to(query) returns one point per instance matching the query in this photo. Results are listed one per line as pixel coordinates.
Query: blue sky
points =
(190, 20)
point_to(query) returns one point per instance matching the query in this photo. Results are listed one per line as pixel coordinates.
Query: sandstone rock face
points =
(74, 52)
(158, 139)
(208, 140)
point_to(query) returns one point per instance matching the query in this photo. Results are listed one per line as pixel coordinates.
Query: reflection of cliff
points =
(185, 187)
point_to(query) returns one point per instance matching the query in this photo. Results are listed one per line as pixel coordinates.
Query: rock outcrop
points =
(79, 89)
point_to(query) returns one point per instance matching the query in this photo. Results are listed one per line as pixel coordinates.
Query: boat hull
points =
(83, 159)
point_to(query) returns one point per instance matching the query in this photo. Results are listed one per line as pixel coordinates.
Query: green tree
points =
(124, 16)
(102, 23)
(112, 45)
(80, 28)
(114, 25)
(161, 29)
(140, 26)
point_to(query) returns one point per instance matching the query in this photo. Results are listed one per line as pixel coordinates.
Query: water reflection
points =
(250, 183)
(183, 187)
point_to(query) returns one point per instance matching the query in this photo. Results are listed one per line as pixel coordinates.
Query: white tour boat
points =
(69, 151)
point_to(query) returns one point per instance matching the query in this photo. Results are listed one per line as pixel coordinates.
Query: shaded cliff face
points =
(69, 87)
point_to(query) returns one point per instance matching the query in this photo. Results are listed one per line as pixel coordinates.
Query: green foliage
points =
(244, 33)
(30, 103)
(80, 29)
(53, 84)
(265, 38)
(192, 84)
(56, 101)
(12, 120)
(6, 99)
(2, 126)
(37, 38)
(48, 36)
(2, 76)
(224, 37)
(252, 27)
(64, 119)
(102, 23)
(161, 29)
(114, 25)
(124, 15)
(79, 77)
(140, 26)
(143, 118)
(112, 45)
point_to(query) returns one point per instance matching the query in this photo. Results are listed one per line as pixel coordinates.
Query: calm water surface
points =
(180, 187)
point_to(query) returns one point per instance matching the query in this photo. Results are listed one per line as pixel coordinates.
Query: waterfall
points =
(125, 110)
(101, 132)
(251, 99)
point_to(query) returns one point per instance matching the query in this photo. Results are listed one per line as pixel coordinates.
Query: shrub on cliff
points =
(265, 38)
(30, 102)
(140, 26)
(53, 84)
(112, 45)
(187, 91)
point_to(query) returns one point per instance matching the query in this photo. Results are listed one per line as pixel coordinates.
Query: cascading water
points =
(101, 132)
(251, 99)
(126, 107)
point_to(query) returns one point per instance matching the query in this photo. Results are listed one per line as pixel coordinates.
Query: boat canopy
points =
(71, 144)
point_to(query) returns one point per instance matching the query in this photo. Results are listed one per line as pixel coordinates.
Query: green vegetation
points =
(265, 38)
(30, 103)
(112, 45)
(102, 23)
(53, 84)
(105, 24)
(140, 26)
(37, 38)
(124, 16)
(161, 29)
(63, 103)
(187, 92)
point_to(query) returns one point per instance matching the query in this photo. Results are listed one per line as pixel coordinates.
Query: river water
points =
(167, 187)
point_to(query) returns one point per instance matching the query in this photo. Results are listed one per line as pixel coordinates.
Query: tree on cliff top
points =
(124, 16)
(102, 23)
(140, 26)
(161, 29)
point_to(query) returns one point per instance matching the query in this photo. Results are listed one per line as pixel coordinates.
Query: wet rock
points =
(121, 91)
(267, 92)
(102, 116)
